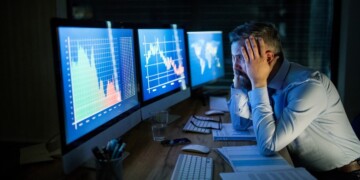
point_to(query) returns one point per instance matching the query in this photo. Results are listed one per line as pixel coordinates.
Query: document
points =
(218, 103)
(35, 153)
(248, 158)
(285, 174)
(227, 133)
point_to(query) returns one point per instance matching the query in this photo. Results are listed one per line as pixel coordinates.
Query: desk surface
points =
(149, 159)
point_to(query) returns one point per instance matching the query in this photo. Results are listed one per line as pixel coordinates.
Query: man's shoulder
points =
(299, 74)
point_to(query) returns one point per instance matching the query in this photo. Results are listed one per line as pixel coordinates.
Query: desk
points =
(149, 159)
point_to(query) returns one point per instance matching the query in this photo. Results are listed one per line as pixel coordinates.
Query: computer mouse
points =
(196, 148)
(214, 112)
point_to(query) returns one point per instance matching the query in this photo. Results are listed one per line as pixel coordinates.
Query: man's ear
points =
(271, 58)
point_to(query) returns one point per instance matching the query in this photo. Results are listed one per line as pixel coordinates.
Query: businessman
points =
(290, 106)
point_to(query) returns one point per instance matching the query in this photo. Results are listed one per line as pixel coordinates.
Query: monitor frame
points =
(170, 98)
(191, 76)
(79, 152)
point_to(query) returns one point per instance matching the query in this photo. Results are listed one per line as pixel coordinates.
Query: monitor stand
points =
(173, 117)
(204, 94)
(216, 92)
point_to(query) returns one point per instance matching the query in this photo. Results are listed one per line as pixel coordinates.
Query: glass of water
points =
(158, 125)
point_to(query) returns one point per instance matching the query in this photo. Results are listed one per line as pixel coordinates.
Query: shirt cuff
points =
(259, 96)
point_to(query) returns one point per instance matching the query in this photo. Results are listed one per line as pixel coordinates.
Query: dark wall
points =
(27, 76)
(294, 19)
(349, 61)
(28, 88)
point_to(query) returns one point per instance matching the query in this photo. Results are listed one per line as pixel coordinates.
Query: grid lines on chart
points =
(160, 54)
(92, 75)
(127, 70)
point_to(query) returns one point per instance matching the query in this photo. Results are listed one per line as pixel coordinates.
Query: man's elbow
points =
(266, 150)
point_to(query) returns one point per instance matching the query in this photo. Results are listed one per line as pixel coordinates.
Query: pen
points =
(120, 151)
(114, 151)
(111, 145)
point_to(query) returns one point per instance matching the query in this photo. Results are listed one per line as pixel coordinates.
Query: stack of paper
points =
(248, 158)
(248, 163)
(227, 133)
(285, 174)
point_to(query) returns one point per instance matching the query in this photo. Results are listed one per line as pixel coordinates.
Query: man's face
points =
(239, 62)
(238, 58)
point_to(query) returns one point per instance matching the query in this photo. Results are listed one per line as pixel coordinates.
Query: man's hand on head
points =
(257, 62)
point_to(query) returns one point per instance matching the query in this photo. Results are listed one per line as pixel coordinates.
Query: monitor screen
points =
(206, 56)
(97, 86)
(163, 68)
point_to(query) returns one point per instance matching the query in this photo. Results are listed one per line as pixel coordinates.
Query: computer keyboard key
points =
(193, 167)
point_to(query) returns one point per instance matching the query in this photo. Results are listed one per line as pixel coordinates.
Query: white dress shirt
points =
(306, 115)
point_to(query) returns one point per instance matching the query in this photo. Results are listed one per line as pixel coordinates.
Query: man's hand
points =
(258, 61)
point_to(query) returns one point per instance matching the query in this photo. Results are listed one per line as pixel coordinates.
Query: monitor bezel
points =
(155, 100)
(58, 22)
(209, 82)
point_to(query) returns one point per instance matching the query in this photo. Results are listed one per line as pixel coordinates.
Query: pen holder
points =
(109, 169)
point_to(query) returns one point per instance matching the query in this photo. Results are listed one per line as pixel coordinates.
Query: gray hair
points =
(266, 31)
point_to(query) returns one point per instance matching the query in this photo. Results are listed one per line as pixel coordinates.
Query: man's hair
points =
(266, 31)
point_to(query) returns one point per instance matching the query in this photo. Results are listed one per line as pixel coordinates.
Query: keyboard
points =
(193, 167)
(189, 127)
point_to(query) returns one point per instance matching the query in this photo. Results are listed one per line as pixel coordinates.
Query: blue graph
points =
(98, 75)
(162, 60)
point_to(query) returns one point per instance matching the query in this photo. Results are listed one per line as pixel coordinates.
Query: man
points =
(289, 105)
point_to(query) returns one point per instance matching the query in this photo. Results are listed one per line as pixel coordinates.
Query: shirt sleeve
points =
(239, 108)
(302, 104)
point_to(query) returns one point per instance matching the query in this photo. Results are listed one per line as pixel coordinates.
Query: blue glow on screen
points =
(98, 77)
(162, 61)
(206, 56)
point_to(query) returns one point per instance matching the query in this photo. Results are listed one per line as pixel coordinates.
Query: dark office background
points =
(305, 26)
(322, 34)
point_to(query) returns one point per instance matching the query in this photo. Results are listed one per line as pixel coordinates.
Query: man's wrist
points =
(259, 84)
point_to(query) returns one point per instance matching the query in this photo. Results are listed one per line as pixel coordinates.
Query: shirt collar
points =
(277, 81)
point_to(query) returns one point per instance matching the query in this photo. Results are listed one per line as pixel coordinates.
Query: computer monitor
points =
(96, 86)
(163, 68)
(206, 57)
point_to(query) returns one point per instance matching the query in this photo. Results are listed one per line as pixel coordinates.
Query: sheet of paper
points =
(218, 103)
(285, 174)
(248, 158)
(227, 132)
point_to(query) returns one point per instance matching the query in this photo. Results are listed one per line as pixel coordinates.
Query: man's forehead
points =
(236, 47)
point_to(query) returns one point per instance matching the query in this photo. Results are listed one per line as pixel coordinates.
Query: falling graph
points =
(154, 50)
(93, 90)
(162, 61)
(98, 76)
(98, 73)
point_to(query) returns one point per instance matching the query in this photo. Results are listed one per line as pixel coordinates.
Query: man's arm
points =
(303, 104)
(239, 108)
